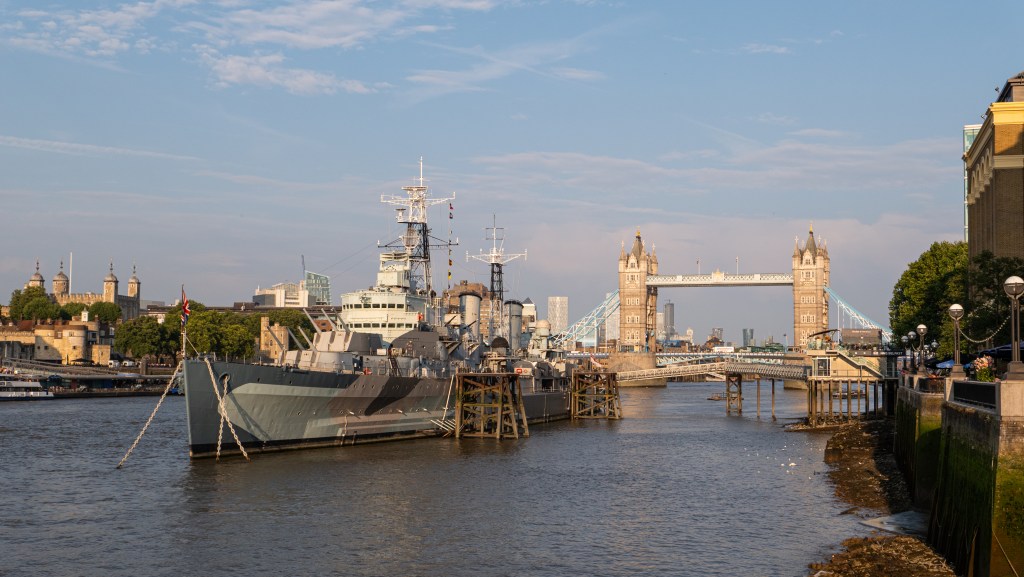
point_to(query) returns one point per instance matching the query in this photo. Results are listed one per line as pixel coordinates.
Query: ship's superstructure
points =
(403, 296)
(383, 370)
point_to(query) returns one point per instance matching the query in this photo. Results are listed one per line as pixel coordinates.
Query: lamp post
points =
(1014, 287)
(921, 332)
(906, 351)
(913, 351)
(956, 312)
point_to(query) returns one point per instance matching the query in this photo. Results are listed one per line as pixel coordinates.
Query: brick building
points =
(995, 177)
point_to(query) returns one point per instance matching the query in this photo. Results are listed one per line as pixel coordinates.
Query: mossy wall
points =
(917, 444)
(963, 506)
(1008, 521)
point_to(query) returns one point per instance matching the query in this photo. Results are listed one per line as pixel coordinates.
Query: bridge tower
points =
(810, 277)
(638, 303)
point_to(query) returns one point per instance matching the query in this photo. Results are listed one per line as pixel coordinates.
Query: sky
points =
(220, 144)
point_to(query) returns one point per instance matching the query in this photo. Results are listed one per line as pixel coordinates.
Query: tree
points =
(924, 292)
(236, 341)
(40, 308)
(106, 312)
(987, 309)
(140, 337)
(20, 298)
(72, 310)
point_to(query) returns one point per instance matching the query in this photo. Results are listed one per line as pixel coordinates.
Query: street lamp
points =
(906, 351)
(956, 312)
(1014, 287)
(913, 351)
(921, 332)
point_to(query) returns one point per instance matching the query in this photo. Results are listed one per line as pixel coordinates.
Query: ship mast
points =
(497, 259)
(411, 210)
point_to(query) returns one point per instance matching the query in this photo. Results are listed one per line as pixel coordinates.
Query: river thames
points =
(675, 488)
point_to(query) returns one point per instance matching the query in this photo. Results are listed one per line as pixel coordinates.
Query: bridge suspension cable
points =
(589, 323)
(859, 318)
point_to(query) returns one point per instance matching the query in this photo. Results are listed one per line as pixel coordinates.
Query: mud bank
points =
(863, 471)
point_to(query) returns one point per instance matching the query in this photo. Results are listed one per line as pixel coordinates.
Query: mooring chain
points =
(167, 389)
(223, 413)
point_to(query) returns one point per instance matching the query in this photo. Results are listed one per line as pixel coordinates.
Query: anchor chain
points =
(223, 414)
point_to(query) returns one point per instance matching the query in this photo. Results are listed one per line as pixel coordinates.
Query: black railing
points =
(978, 393)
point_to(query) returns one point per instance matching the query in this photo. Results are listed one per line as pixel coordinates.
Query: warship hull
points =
(277, 408)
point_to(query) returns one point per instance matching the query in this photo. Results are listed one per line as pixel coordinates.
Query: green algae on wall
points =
(962, 516)
(1008, 524)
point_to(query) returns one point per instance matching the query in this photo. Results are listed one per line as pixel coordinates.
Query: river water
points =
(675, 488)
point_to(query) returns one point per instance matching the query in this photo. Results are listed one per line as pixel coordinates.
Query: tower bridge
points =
(639, 281)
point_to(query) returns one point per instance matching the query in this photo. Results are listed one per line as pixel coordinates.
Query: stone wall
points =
(918, 439)
(977, 521)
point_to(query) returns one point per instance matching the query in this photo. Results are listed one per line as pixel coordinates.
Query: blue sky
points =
(216, 143)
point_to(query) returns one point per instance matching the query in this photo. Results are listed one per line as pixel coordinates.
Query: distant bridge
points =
(719, 278)
(763, 370)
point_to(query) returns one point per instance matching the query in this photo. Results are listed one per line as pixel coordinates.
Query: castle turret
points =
(134, 285)
(60, 282)
(110, 286)
(36, 280)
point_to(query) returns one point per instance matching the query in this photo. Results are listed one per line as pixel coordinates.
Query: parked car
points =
(114, 364)
(128, 363)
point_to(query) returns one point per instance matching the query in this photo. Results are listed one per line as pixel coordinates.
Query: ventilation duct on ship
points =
(469, 306)
(514, 312)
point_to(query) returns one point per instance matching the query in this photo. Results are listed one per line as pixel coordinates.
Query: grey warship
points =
(380, 369)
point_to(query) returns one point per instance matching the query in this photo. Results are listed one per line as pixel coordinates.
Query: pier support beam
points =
(733, 393)
(595, 396)
(489, 405)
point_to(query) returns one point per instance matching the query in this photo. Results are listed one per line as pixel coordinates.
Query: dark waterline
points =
(676, 488)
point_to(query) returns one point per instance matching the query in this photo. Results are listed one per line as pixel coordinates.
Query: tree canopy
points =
(943, 275)
(106, 312)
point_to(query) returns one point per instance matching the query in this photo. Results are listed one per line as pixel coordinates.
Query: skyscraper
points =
(748, 338)
(558, 314)
(670, 320)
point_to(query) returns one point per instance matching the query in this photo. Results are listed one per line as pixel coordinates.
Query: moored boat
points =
(23, 391)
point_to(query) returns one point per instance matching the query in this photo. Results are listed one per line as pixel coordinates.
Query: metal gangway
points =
(764, 370)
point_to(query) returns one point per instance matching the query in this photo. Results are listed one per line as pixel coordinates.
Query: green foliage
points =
(923, 294)
(106, 312)
(20, 298)
(988, 310)
(144, 336)
(40, 309)
(71, 310)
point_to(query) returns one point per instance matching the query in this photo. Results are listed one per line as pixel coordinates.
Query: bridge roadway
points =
(719, 278)
(763, 370)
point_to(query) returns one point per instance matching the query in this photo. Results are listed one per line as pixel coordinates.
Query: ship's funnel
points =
(514, 312)
(469, 306)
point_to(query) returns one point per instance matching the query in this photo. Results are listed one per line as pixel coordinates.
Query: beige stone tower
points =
(638, 303)
(110, 286)
(810, 277)
(37, 279)
(60, 283)
(133, 285)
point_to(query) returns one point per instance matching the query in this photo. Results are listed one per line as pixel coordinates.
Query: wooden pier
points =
(489, 405)
(595, 396)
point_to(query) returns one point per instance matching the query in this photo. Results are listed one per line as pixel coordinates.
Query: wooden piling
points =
(595, 396)
(489, 405)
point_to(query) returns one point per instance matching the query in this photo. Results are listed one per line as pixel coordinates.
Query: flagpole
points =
(184, 323)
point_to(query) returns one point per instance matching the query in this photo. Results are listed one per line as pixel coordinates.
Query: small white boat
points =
(23, 391)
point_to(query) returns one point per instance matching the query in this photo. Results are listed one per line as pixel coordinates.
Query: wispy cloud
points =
(269, 70)
(63, 147)
(764, 49)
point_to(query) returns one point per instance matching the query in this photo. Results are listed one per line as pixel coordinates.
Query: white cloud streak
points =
(63, 147)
